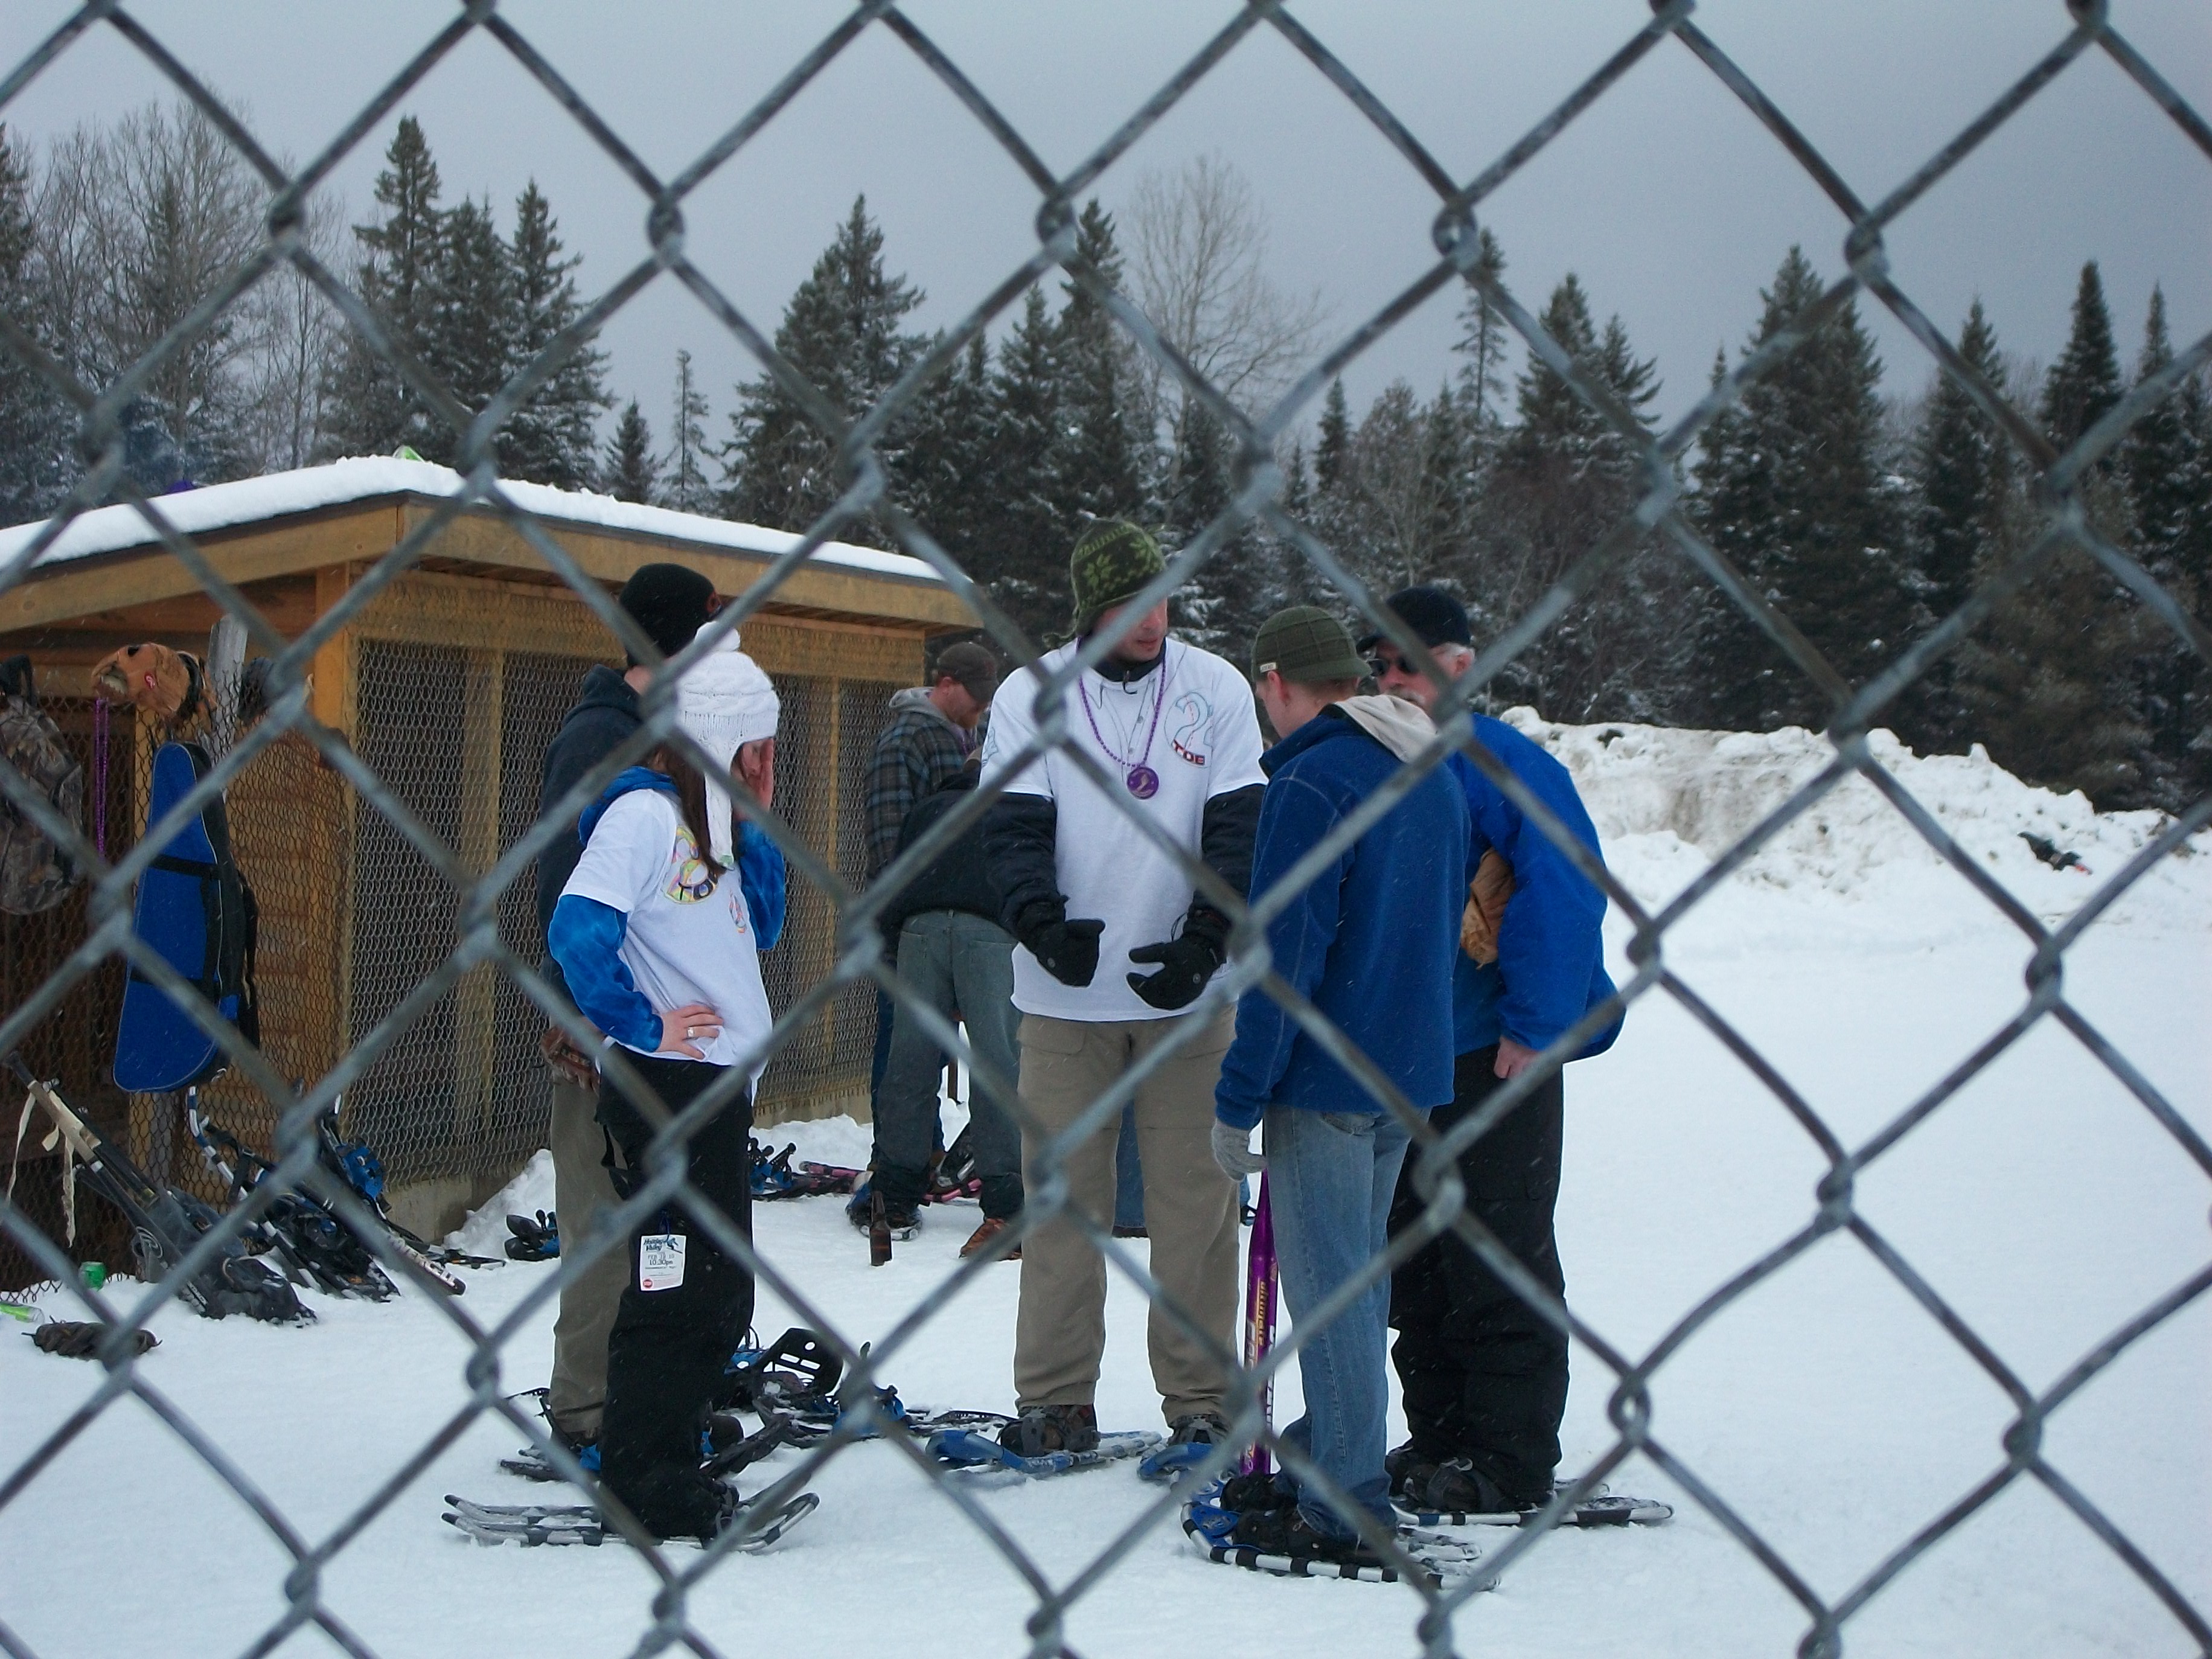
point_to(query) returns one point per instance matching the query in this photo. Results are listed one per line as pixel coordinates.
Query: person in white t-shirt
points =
(658, 932)
(1114, 943)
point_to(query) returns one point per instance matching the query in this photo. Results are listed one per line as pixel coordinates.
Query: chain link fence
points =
(467, 959)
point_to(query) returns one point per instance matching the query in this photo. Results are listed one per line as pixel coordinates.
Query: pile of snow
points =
(1667, 802)
(305, 489)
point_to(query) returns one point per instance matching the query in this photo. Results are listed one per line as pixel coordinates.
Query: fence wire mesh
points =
(466, 959)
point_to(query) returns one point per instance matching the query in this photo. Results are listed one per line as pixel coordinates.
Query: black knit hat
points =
(1435, 616)
(669, 603)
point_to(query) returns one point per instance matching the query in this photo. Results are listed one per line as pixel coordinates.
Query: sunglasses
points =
(1381, 665)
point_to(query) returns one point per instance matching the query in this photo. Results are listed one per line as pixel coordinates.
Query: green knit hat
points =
(1306, 646)
(1112, 562)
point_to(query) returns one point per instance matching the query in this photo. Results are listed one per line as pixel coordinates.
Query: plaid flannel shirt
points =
(917, 751)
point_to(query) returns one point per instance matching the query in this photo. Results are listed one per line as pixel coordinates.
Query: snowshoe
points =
(768, 1517)
(1190, 1441)
(1278, 1541)
(535, 1238)
(980, 1458)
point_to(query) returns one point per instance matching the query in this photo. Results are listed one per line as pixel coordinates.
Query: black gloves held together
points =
(1187, 963)
(1068, 949)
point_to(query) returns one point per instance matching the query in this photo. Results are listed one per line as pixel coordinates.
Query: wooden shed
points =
(449, 683)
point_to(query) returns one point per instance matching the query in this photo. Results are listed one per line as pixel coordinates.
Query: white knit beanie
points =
(724, 700)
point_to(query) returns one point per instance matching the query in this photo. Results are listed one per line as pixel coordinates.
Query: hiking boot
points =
(1409, 1469)
(905, 1220)
(1042, 1429)
(1286, 1532)
(1456, 1483)
(1191, 1440)
(984, 1241)
(1243, 1493)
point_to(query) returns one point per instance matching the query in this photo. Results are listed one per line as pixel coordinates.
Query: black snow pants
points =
(667, 1352)
(1483, 1376)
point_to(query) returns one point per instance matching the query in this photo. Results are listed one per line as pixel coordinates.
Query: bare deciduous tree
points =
(1198, 249)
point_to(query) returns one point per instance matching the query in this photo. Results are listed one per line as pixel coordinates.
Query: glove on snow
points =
(1233, 1151)
(78, 1339)
(1068, 949)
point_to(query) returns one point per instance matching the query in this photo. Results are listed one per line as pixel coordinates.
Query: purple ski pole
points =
(1260, 1289)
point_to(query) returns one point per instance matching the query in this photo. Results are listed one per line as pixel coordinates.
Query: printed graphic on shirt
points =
(689, 880)
(1193, 712)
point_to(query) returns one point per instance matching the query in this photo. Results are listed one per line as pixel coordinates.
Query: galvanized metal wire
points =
(482, 935)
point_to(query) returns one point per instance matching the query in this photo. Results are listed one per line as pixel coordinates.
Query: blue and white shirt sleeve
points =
(620, 868)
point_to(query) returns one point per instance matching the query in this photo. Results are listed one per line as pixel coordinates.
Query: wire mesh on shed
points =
(427, 1090)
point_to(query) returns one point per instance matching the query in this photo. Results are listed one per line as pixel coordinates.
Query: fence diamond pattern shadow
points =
(1258, 497)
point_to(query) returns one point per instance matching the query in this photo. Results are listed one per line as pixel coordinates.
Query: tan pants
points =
(1190, 1210)
(588, 1302)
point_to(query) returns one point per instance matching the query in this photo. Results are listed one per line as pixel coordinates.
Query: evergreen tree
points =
(1230, 596)
(2085, 381)
(550, 439)
(36, 423)
(1334, 442)
(470, 324)
(2167, 476)
(372, 410)
(1963, 513)
(687, 489)
(842, 331)
(1563, 479)
(1100, 476)
(631, 473)
(1482, 341)
(949, 461)
(1026, 534)
(1794, 494)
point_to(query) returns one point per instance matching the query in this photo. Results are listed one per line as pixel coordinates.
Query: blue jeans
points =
(1330, 1179)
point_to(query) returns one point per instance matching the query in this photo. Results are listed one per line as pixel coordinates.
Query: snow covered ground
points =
(2043, 1203)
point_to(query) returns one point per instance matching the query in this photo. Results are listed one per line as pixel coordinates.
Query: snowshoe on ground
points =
(984, 1241)
(1190, 1440)
(1599, 1509)
(765, 1519)
(535, 1238)
(904, 1223)
(981, 1458)
(1279, 1540)
(800, 1362)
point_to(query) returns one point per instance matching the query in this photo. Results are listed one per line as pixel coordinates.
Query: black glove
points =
(1068, 949)
(1187, 962)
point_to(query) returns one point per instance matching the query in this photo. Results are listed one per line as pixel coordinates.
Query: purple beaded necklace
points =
(1143, 782)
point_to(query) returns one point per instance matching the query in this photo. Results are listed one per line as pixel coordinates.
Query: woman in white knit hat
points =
(661, 949)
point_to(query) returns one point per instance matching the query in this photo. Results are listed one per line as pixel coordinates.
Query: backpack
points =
(35, 874)
(196, 910)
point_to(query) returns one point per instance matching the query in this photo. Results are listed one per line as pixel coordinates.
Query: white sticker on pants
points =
(659, 1262)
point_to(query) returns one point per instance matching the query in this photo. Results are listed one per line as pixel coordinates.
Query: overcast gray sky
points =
(1668, 201)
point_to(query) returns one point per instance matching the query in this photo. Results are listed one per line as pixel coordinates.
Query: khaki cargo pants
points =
(1190, 1211)
(589, 1301)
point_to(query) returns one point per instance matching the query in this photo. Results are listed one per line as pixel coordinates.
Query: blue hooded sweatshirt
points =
(1549, 969)
(586, 937)
(1369, 942)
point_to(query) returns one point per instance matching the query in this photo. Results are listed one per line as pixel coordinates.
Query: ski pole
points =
(1260, 1286)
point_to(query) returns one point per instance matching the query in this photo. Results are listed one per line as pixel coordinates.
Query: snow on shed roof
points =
(252, 501)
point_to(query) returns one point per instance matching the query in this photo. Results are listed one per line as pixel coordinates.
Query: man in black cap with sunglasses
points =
(1484, 1375)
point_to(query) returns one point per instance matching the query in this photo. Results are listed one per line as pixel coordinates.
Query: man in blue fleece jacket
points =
(1369, 942)
(1483, 1374)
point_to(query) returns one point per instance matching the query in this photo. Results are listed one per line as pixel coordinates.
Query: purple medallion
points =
(1144, 782)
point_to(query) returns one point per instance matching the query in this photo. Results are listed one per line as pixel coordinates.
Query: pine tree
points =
(686, 489)
(2166, 473)
(1100, 473)
(630, 471)
(470, 325)
(1334, 442)
(1963, 512)
(2085, 381)
(1026, 531)
(949, 461)
(1563, 479)
(842, 331)
(1794, 494)
(35, 422)
(551, 440)
(1482, 340)
(372, 410)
